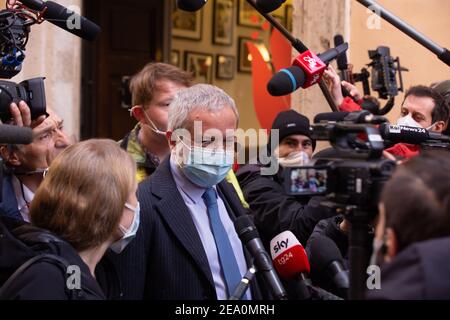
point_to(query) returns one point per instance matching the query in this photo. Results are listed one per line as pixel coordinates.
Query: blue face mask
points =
(206, 167)
(129, 234)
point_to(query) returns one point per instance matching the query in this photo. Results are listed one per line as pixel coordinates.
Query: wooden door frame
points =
(89, 61)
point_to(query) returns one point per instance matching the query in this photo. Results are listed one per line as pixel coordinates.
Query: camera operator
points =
(25, 164)
(413, 230)
(275, 211)
(423, 107)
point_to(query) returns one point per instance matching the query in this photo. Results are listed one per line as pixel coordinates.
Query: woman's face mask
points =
(130, 234)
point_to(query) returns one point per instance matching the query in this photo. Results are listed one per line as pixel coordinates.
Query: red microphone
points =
(291, 262)
(313, 67)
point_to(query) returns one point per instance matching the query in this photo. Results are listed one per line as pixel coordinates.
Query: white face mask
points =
(152, 125)
(130, 234)
(294, 159)
(410, 122)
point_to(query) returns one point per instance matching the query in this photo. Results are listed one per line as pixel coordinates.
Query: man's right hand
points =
(21, 116)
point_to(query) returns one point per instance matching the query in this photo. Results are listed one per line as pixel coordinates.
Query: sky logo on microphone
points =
(280, 245)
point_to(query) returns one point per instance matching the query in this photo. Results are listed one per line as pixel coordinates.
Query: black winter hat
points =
(291, 122)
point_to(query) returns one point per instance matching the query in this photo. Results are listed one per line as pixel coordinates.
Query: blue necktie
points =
(226, 255)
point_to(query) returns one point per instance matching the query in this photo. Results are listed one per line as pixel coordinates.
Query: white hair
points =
(200, 96)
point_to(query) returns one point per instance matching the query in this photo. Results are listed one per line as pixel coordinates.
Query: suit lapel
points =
(175, 213)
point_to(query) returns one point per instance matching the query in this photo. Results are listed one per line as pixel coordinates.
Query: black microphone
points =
(362, 116)
(191, 5)
(268, 6)
(412, 135)
(341, 60)
(326, 259)
(248, 234)
(63, 17)
(305, 72)
(243, 284)
(15, 135)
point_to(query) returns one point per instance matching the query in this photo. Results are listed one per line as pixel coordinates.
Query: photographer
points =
(413, 230)
(275, 211)
(26, 163)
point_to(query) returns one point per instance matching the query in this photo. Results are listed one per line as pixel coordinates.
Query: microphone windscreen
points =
(190, 5)
(286, 81)
(15, 135)
(288, 255)
(323, 252)
(70, 21)
(268, 6)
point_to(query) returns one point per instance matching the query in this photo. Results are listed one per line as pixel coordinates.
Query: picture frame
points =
(244, 64)
(223, 22)
(175, 58)
(288, 12)
(200, 65)
(225, 66)
(187, 25)
(248, 16)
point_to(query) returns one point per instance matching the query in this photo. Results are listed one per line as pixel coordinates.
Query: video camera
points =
(15, 23)
(353, 176)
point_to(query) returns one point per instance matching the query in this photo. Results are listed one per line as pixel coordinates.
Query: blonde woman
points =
(88, 204)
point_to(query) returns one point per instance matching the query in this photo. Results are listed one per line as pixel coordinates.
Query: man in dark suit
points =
(187, 247)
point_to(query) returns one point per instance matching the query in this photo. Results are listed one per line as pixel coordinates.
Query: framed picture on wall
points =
(223, 22)
(248, 16)
(175, 58)
(225, 67)
(244, 57)
(200, 65)
(187, 25)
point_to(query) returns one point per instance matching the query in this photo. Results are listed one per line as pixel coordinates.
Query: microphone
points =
(306, 71)
(362, 116)
(412, 135)
(268, 6)
(243, 285)
(15, 135)
(191, 5)
(290, 261)
(326, 259)
(341, 60)
(63, 17)
(248, 234)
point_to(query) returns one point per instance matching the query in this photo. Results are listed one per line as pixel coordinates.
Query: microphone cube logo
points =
(312, 66)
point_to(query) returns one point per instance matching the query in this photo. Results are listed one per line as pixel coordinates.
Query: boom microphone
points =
(191, 5)
(306, 71)
(65, 18)
(326, 259)
(290, 261)
(268, 6)
(15, 135)
(249, 236)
